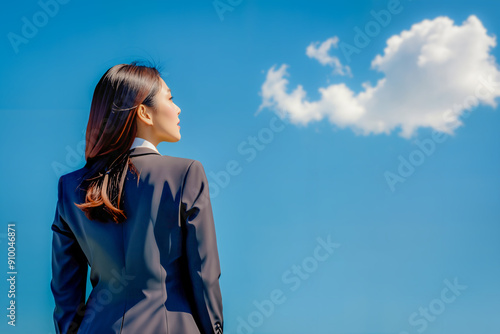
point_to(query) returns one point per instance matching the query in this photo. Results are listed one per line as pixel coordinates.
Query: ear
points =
(144, 115)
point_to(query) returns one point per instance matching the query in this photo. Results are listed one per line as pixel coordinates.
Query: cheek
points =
(172, 113)
(168, 116)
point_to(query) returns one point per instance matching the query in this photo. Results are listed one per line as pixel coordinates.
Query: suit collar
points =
(140, 142)
(142, 150)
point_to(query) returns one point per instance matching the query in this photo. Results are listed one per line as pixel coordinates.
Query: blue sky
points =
(368, 190)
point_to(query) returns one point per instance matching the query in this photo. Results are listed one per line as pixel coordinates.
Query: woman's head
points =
(160, 122)
(112, 122)
(129, 100)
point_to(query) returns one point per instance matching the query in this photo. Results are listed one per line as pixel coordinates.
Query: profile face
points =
(166, 116)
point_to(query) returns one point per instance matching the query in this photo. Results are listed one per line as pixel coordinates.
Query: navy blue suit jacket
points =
(157, 272)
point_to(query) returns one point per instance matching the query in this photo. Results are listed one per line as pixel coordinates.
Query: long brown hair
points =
(110, 132)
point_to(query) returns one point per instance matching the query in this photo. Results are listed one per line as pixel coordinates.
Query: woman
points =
(142, 221)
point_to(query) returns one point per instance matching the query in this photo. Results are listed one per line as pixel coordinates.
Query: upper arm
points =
(69, 273)
(197, 214)
(201, 247)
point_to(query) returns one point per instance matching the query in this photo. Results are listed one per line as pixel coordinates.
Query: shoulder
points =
(195, 187)
(167, 163)
(190, 171)
(71, 177)
(167, 166)
(187, 166)
(69, 183)
(177, 161)
(163, 166)
(185, 163)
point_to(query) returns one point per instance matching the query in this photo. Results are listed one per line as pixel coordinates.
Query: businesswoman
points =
(142, 221)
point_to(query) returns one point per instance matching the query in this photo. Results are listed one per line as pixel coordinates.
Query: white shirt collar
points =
(140, 142)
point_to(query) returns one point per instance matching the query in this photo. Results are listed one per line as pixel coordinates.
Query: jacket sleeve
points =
(201, 249)
(69, 274)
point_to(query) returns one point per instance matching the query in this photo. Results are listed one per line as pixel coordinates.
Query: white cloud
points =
(433, 73)
(321, 54)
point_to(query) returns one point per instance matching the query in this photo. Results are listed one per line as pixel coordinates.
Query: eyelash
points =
(172, 98)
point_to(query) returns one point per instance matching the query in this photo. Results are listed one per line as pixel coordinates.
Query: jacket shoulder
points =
(168, 166)
(164, 162)
(178, 161)
(185, 166)
(73, 177)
